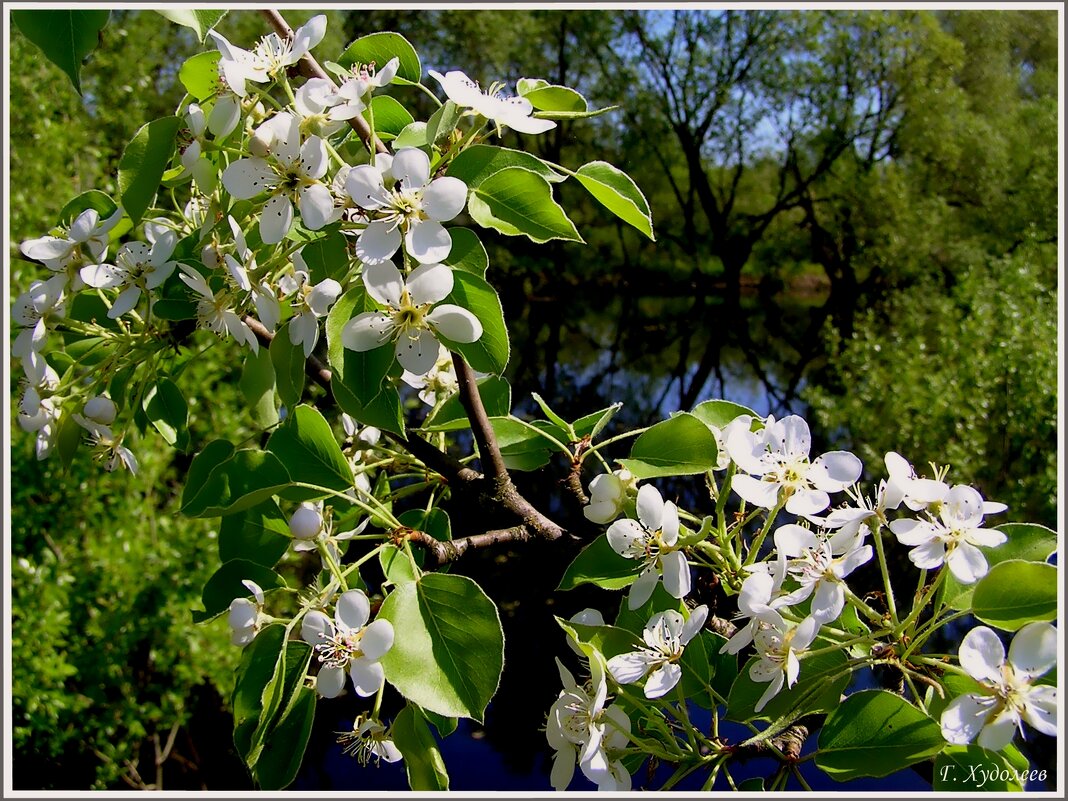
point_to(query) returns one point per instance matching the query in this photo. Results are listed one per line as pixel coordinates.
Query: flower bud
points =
(101, 410)
(306, 522)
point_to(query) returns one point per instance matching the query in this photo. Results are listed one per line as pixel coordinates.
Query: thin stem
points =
(891, 604)
(754, 549)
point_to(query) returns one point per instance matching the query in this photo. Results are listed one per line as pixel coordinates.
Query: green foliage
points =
(451, 654)
(973, 379)
(875, 733)
(67, 38)
(679, 446)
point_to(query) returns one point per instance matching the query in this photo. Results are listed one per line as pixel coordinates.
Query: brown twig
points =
(451, 550)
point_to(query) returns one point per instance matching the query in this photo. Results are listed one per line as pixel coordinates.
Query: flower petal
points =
(428, 242)
(276, 219)
(834, 471)
(963, 719)
(642, 589)
(1033, 650)
(377, 639)
(315, 627)
(126, 300)
(313, 159)
(631, 667)
(377, 242)
(430, 283)
(367, 331)
(764, 494)
(246, 178)
(967, 563)
(411, 167)
(417, 351)
(444, 198)
(316, 206)
(981, 654)
(676, 574)
(455, 323)
(1040, 709)
(330, 682)
(384, 283)
(352, 610)
(806, 502)
(103, 276)
(622, 534)
(663, 680)
(364, 185)
(367, 676)
(650, 507)
(999, 732)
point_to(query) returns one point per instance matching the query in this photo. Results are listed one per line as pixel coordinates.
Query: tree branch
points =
(310, 68)
(451, 550)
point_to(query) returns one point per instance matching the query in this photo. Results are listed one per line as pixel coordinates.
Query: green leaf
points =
(379, 48)
(478, 162)
(259, 534)
(444, 725)
(450, 658)
(422, 757)
(199, 20)
(442, 122)
(609, 640)
(552, 97)
(66, 37)
(598, 564)
(247, 478)
(1026, 541)
(360, 373)
(819, 688)
(225, 585)
(390, 117)
(283, 748)
(517, 201)
(718, 413)
(969, 768)
(594, 423)
(489, 353)
(875, 733)
(257, 385)
(327, 257)
(679, 446)
(288, 362)
(68, 437)
(467, 252)
(554, 418)
(1014, 593)
(413, 135)
(258, 665)
(214, 454)
(167, 411)
(143, 162)
(436, 522)
(521, 444)
(496, 398)
(306, 443)
(396, 566)
(94, 199)
(200, 74)
(617, 192)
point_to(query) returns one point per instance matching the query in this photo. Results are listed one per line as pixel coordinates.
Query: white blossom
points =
(759, 600)
(411, 207)
(954, 536)
(270, 57)
(289, 172)
(778, 649)
(413, 317)
(777, 461)
(1008, 694)
(513, 112)
(582, 730)
(665, 636)
(348, 644)
(138, 267)
(608, 495)
(813, 563)
(86, 240)
(245, 615)
(313, 303)
(439, 383)
(651, 539)
(215, 311)
(369, 740)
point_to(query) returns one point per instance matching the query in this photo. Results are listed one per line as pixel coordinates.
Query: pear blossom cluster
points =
(262, 178)
(796, 583)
